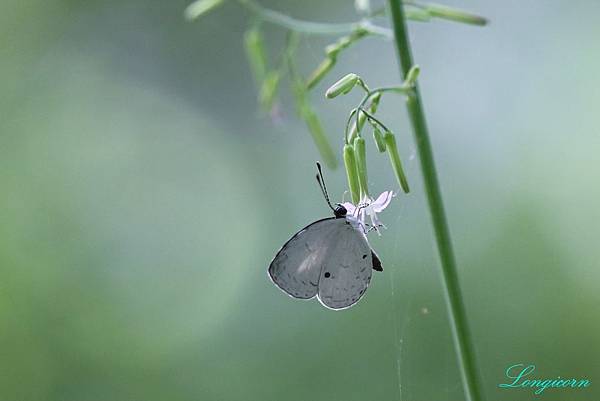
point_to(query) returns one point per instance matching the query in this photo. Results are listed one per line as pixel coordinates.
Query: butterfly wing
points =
(348, 267)
(296, 268)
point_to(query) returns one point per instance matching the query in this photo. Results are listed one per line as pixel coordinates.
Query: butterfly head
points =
(339, 211)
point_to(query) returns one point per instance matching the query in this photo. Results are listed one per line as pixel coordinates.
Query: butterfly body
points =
(330, 259)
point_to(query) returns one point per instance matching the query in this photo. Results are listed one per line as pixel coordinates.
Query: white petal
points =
(382, 201)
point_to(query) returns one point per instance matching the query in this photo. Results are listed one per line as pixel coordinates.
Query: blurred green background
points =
(144, 194)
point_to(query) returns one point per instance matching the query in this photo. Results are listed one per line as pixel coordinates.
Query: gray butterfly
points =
(330, 259)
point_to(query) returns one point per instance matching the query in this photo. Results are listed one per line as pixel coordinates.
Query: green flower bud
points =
(453, 14)
(342, 86)
(360, 153)
(257, 56)
(318, 74)
(318, 134)
(201, 7)
(413, 74)
(417, 14)
(379, 141)
(362, 6)
(268, 90)
(354, 130)
(392, 149)
(352, 173)
(375, 102)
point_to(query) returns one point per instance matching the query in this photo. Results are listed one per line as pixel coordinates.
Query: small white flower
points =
(369, 207)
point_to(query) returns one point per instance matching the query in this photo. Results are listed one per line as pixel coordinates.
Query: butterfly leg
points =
(373, 227)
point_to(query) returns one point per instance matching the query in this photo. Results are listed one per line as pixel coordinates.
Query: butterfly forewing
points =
(347, 270)
(296, 268)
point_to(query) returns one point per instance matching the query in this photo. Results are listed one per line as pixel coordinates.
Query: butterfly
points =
(331, 258)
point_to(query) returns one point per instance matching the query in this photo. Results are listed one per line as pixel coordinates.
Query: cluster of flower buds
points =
(354, 152)
(268, 78)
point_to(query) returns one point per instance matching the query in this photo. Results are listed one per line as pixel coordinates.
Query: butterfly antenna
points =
(321, 182)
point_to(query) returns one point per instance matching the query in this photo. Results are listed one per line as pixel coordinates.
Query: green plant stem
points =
(458, 319)
(313, 28)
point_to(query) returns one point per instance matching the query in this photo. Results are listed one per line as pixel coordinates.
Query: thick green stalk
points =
(458, 318)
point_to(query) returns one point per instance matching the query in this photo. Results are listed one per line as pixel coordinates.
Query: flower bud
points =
(378, 137)
(417, 14)
(412, 75)
(392, 149)
(351, 173)
(360, 153)
(268, 90)
(342, 86)
(362, 6)
(375, 102)
(354, 130)
(201, 7)
(453, 14)
(255, 51)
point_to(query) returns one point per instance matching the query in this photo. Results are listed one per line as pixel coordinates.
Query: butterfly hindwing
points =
(347, 271)
(296, 268)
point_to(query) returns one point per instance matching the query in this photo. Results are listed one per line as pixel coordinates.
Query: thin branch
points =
(396, 89)
(313, 28)
(375, 120)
